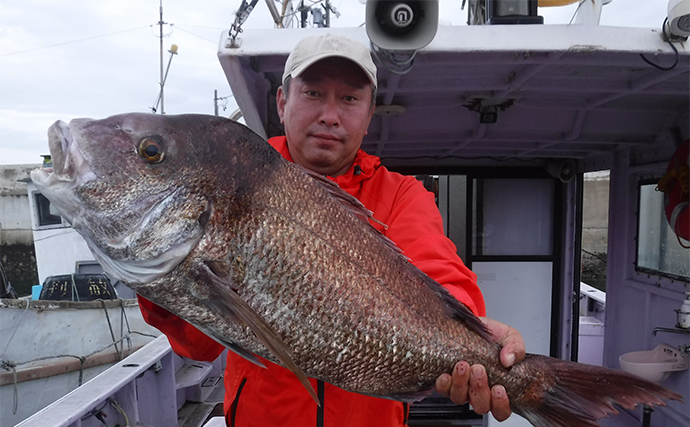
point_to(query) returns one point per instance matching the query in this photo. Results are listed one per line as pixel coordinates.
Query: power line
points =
(195, 35)
(203, 26)
(73, 41)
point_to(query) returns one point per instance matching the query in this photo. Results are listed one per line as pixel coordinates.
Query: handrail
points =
(118, 393)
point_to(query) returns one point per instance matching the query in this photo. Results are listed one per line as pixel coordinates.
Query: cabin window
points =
(658, 249)
(514, 217)
(47, 214)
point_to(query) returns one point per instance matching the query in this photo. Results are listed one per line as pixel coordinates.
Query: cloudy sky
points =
(67, 59)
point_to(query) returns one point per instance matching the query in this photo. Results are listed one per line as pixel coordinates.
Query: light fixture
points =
(487, 107)
(562, 169)
(678, 24)
(488, 114)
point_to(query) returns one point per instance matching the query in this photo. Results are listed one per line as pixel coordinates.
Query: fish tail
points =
(579, 394)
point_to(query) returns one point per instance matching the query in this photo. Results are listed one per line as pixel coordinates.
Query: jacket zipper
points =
(233, 408)
(320, 391)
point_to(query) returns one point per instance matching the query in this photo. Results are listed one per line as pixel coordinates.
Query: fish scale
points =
(322, 251)
(272, 260)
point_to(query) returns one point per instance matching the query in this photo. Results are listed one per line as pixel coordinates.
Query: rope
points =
(679, 174)
(10, 365)
(110, 326)
(16, 327)
(123, 317)
(115, 404)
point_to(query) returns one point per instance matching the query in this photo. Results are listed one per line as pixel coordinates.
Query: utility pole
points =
(215, 101)
(161, 23)
(164, 76)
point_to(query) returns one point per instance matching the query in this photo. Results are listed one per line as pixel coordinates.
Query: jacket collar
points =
(362, 168)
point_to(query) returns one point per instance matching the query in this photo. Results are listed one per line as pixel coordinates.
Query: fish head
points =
(131, 185)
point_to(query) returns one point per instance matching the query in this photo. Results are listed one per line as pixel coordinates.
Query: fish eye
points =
(151, 149)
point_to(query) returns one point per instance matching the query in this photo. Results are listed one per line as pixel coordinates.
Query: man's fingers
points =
(500, 406)
(460, 383)
(511, 353)
(443, 384)
(509, 338)
(480, 395)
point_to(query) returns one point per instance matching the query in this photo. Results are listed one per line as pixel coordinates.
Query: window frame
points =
(642, 270)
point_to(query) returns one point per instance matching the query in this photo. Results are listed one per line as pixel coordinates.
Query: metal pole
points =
(160, 23)
(274, 13)
(647, 416)
(304, 14)
(215, 101)
(173, 51)
(328, 14)
(589, 13)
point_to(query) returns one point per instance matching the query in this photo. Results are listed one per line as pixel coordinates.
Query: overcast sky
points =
(68, 59)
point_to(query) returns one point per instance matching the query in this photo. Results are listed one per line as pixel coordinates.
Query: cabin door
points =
(506, 230)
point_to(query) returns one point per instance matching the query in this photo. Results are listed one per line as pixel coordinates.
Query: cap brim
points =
(296, 71)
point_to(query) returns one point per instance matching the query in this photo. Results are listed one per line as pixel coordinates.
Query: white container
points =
(591, 341)
(684, 313)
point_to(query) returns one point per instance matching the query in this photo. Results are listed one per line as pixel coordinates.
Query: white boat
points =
(504, 120)
(50, 348)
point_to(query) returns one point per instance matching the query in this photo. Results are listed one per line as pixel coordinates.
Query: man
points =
(326, 103)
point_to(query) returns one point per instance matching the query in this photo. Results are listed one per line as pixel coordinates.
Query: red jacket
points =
(273, 397)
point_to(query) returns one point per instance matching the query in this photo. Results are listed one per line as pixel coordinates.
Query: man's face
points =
(326, 114)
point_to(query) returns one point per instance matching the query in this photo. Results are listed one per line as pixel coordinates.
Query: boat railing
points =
(152, 387)
(592, 302)
(592, 325)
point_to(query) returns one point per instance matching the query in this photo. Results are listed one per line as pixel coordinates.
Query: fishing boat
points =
(73, 328)
(501, 118)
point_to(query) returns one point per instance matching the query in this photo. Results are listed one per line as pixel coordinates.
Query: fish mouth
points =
(69, 169)
(69, 165)
(59, 140)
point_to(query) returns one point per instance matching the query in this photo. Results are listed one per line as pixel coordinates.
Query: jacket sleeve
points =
(415, 225)
(185, 339)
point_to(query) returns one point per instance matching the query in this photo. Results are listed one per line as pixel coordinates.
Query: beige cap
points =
(315, 48)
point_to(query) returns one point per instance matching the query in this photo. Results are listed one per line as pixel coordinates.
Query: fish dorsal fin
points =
(350, 203)
(455, 309)
(220, 297)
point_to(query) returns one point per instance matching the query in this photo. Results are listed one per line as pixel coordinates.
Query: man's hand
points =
(470, 383)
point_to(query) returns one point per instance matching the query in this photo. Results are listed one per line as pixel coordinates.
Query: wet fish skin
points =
(261, 257)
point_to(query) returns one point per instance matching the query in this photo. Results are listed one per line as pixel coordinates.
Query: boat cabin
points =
(503, 122)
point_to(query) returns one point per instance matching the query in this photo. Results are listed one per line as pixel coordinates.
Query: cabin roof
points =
(561, 91)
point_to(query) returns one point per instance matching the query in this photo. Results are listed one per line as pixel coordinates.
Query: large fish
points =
(201, 216)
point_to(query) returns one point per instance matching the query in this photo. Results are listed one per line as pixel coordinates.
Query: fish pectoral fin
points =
(247, 355)
(410, 397)
(219, 296)
(221, 269)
